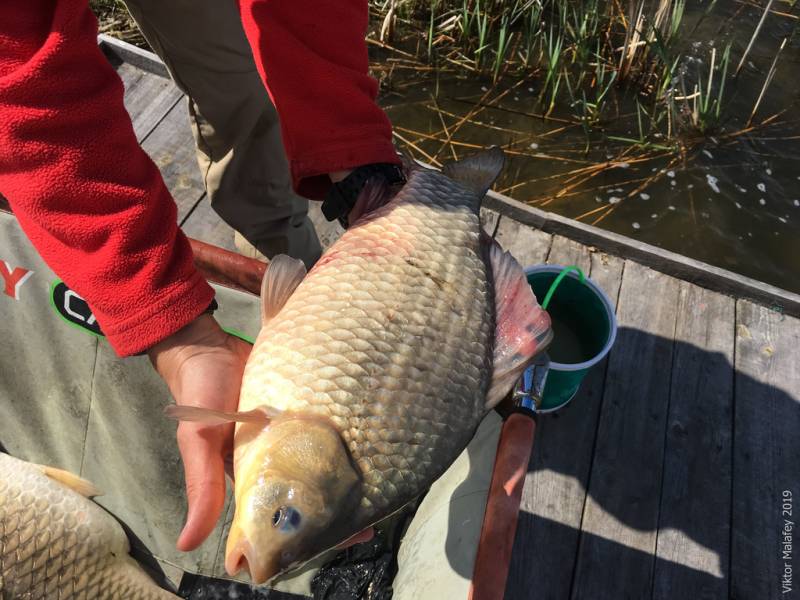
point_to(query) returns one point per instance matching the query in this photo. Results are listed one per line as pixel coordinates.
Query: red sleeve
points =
(88, 197)
(313, 59)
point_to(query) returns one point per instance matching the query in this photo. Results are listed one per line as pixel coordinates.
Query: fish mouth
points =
(244, 557)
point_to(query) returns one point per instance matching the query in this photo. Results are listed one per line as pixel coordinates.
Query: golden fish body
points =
(372, 372)
(389, 338)
(57, 544)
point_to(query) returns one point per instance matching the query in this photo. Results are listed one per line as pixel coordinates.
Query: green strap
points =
(239, 334)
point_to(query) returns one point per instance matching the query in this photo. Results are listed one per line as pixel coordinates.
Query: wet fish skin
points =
(57, 544)
(386, 345)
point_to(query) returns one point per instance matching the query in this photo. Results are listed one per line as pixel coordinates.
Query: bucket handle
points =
(558, 281)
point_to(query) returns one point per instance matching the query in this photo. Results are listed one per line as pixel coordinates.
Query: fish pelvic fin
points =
(77, 484)
(281, 278)
(477, 172)
(208, 416)
(522, 327)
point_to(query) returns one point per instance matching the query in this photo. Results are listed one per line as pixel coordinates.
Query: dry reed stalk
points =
(476, 109)
(611, 208)
(774, 12)
(430, 158)
(593, 211)
(444, 126)
(767, 80)
(753, 39)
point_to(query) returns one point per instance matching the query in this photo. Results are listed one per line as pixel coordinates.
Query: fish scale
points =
(390, 336)
(57, 545)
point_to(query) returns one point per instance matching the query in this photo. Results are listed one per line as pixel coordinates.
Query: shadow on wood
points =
(682, 498)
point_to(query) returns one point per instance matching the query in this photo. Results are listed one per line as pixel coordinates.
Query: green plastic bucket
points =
(584, 329)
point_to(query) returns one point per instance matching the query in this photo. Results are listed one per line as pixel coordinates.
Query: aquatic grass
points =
(503, 42)
(707, 100)
(588, 61)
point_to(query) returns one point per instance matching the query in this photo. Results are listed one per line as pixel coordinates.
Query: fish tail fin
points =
(522, 327)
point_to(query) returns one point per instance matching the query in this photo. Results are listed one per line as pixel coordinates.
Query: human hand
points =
(203, 366)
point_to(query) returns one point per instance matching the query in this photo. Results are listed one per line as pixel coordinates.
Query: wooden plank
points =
(548, 530)
(206, 225)
(766, 450)
(148, 98)
(566, 252)
(327, 231)
(117, 50)
(664, 261)
(618, 538)
(172, 148)
(529, 246)
(129, 75)
(489, 220)
(694, 519)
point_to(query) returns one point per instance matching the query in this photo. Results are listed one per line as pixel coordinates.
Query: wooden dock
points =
(666, 476)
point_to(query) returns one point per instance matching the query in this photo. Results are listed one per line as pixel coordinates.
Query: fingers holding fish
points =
(202, 366)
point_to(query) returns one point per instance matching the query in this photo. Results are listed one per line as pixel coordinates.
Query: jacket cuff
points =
(310, 173)
(162, 317)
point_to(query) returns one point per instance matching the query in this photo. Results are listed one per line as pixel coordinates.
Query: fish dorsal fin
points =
(477, 172)
(208, 416)
(70, 480)
(281, 278)
(522, 327)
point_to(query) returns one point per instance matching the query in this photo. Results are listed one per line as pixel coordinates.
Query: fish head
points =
(295, 486)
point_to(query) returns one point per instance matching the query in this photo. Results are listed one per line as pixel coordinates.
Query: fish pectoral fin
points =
(70, 480)
(477, 172)
(376, 193)
(209, 416)
(522, 327)
(281, 278)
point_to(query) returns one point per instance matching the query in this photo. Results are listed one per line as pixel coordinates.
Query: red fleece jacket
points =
(93, 203)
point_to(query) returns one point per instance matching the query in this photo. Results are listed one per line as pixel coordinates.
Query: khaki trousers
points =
(235, 125)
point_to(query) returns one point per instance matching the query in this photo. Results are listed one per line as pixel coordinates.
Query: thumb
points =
(201, 451)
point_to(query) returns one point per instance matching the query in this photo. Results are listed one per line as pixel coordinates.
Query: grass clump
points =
(591, 57)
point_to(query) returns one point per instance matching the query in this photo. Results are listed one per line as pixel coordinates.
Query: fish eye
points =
(286, 518)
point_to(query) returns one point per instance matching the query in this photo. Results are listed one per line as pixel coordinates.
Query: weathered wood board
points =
(172, 148)
(148, 98)
(694, 518)
(620, 518)
(766, 465)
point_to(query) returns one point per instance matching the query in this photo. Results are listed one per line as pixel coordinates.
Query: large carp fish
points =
(372, 372)
(56, 544)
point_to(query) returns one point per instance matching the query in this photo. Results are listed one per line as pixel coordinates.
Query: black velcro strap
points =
(342, 195)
